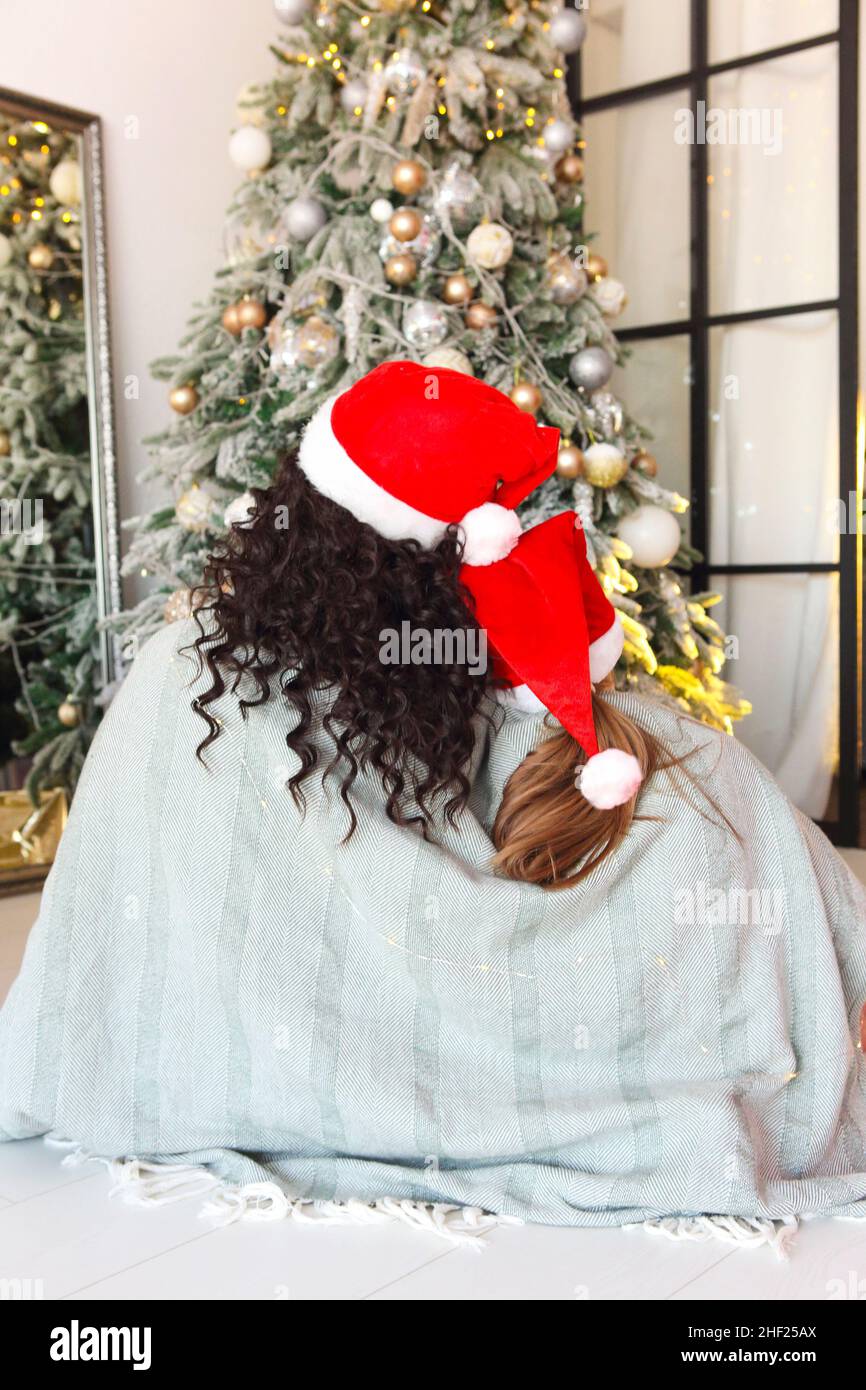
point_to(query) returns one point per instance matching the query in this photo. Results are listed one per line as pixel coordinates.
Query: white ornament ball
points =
(65, 182)
(353, 95)
(293, 11)
(425, 324)
(304, 217)
(652, 534)
(558, 136)
(250, 148)
(610, 295)
(567, 30)
(591, 368)
(5, 250)
(381, 210)
(449, 357)
(490, 245)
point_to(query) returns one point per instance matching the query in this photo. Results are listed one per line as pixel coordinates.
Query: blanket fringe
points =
(156, 1184)
(742, 1231)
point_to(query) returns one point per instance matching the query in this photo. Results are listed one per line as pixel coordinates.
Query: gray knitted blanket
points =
(216, 981)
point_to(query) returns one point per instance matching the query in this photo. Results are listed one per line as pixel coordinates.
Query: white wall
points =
(177, 66)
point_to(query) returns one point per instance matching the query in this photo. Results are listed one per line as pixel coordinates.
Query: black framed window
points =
(721, 178)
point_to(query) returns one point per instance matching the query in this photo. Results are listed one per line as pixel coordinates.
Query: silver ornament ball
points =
(425, 324)
(567, 30)
(591, 368)
(424, 247)
(558, 136)
(293, 11)
(304, 217)
(353, 95)
(606, 412)
(404, 71)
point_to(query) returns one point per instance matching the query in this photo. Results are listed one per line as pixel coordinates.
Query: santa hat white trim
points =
(605, 651)
(490, 532)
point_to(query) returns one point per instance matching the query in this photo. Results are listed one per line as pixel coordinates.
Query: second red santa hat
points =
(554, 631)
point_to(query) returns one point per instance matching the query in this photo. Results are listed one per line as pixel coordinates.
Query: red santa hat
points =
(555, 633)
(411, 450)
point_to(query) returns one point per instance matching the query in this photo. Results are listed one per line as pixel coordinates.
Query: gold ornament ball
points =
(526, 396)
(646, 463)
(401, 269)
(570, 168)
(569, 461)
(457, 290)
(596, 267)
(604, 465)
(5, 444)
(183, 399)
(69, 714)
(177, 606)
(40, 256)
(408, 177)
(405, 224)
(252, 313)
(231, 319)
(480, 315)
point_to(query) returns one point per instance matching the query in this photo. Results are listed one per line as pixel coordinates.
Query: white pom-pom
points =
(609, 779)
(237, 513)
(490, 532)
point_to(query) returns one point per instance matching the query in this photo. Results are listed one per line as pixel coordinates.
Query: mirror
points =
(59, 555)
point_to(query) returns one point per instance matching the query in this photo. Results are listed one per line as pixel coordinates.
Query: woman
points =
(401, 942)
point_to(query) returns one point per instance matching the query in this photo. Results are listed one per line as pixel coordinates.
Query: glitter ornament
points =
(424, 246)
(425, 324)
(604, 465)
(315, 343)
(458, 196)
(606, 413)
(403, 71)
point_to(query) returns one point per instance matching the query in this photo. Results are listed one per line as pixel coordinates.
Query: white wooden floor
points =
(57, 1226)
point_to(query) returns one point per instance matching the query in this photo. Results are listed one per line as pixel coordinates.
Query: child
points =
(441, 942)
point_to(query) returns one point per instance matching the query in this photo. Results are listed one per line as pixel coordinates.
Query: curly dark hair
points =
(298, 600)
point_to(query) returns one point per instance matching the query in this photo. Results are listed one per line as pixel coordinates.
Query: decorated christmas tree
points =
(414, 189)
(48, 618)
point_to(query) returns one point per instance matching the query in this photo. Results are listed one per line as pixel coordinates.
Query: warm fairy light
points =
(530, 122)
(281, 110)
(16, 217)
(443, 110)
(311, 62)
(40, 202)
(391, 102)
(41, 127)
(336, 65)
(440, 81)
(490, 134)
(365, 20)
(36, 216)
(12, 140)
(357, 110)
(44, 149)
(5, 190)
(426, 5)
(489, 45)
(557, 72)
(377, 66)
(500, 92)
(499, 134)
(242, 400)
(333, 48)
(67, 217)
(530, 110)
